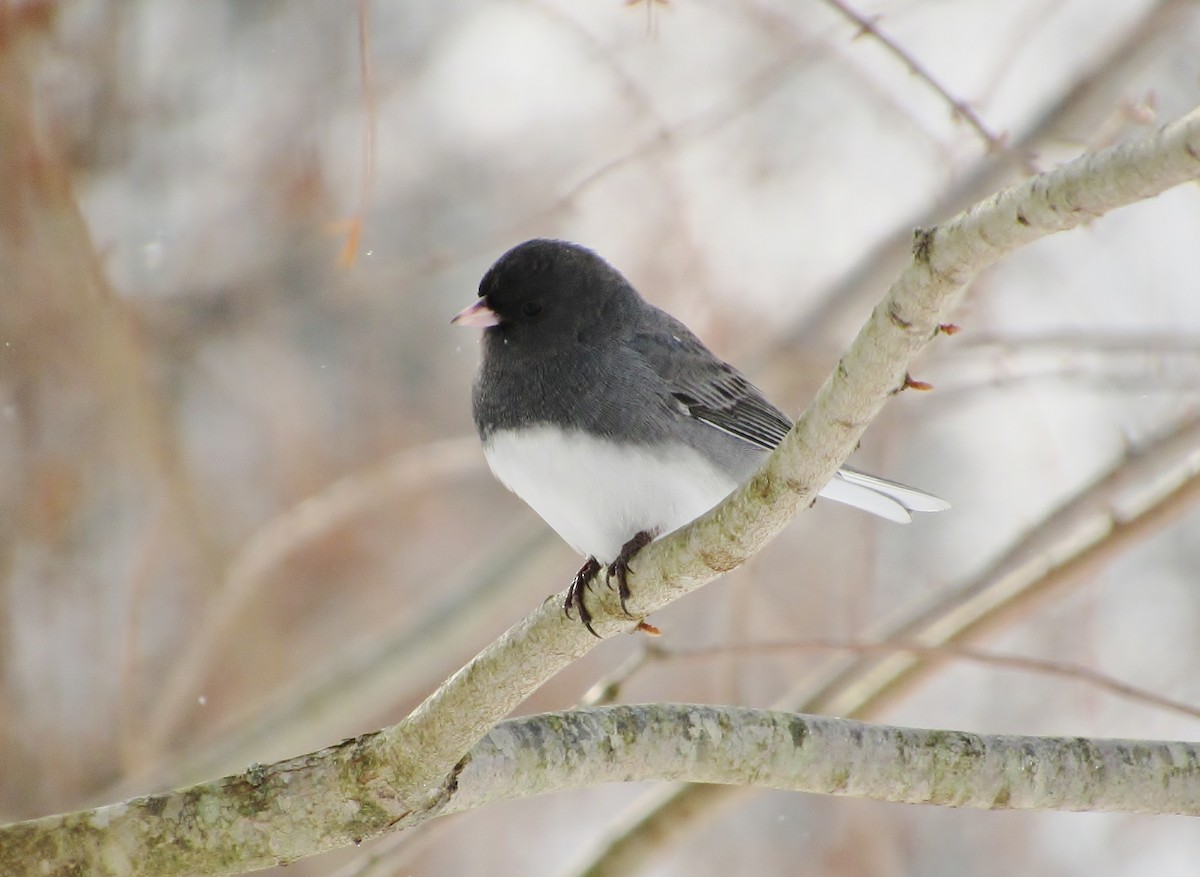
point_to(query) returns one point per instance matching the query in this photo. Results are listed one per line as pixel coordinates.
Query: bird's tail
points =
(887, 499)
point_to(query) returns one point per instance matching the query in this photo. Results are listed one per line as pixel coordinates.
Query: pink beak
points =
(478, 316)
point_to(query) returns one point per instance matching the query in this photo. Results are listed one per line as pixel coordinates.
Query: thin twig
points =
(960, 107)
(355, 224)
(1042, 666)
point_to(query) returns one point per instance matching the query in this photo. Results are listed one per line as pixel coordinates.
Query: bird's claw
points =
(620, 567)
(579, 584)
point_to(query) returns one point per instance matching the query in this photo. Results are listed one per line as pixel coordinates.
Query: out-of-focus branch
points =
(1077, 539)
(664, 138)
(411, 771)
(608, 689)
(959, 106)
(345, 689)
(87, 434)
(297, 526)
(1124, 363)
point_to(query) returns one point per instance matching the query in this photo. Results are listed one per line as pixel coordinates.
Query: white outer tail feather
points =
(887, 499)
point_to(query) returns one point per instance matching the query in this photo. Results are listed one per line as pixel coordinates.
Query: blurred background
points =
(243, 513)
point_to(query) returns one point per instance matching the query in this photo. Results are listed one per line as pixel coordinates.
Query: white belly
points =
(598, 494)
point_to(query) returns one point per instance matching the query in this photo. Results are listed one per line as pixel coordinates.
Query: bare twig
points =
(941, 653)
(1127, 363)
(354, 225)
(960, 107)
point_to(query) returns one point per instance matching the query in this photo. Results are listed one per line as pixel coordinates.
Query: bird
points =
(612, 420)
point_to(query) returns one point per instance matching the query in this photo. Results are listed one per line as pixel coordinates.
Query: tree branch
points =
(700, 744)
(829, 756)
(407, 772)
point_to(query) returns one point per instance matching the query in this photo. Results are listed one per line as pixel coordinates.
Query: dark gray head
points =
(543, 295)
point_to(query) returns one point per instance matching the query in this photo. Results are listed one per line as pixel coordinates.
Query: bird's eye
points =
(531, 308)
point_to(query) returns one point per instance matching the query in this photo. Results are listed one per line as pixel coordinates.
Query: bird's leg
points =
(579, 584)
(620, 567)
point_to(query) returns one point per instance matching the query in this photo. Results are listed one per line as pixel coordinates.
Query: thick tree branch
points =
(701, 744)
(406, 772)
(768, 749)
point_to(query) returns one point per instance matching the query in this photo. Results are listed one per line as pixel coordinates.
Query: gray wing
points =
(713, 392)
(706, 388)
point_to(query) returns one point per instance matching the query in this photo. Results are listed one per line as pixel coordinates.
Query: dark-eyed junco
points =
(611, 419)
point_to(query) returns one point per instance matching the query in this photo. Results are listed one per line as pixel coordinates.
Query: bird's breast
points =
(598, 493)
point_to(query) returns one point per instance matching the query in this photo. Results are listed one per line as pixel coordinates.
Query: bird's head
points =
(548, 294)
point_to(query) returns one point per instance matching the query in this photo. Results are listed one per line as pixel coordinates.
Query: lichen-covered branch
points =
(829, 756)
(339, 796)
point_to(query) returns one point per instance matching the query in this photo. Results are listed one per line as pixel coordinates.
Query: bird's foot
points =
(579, 584)
(620, 567)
